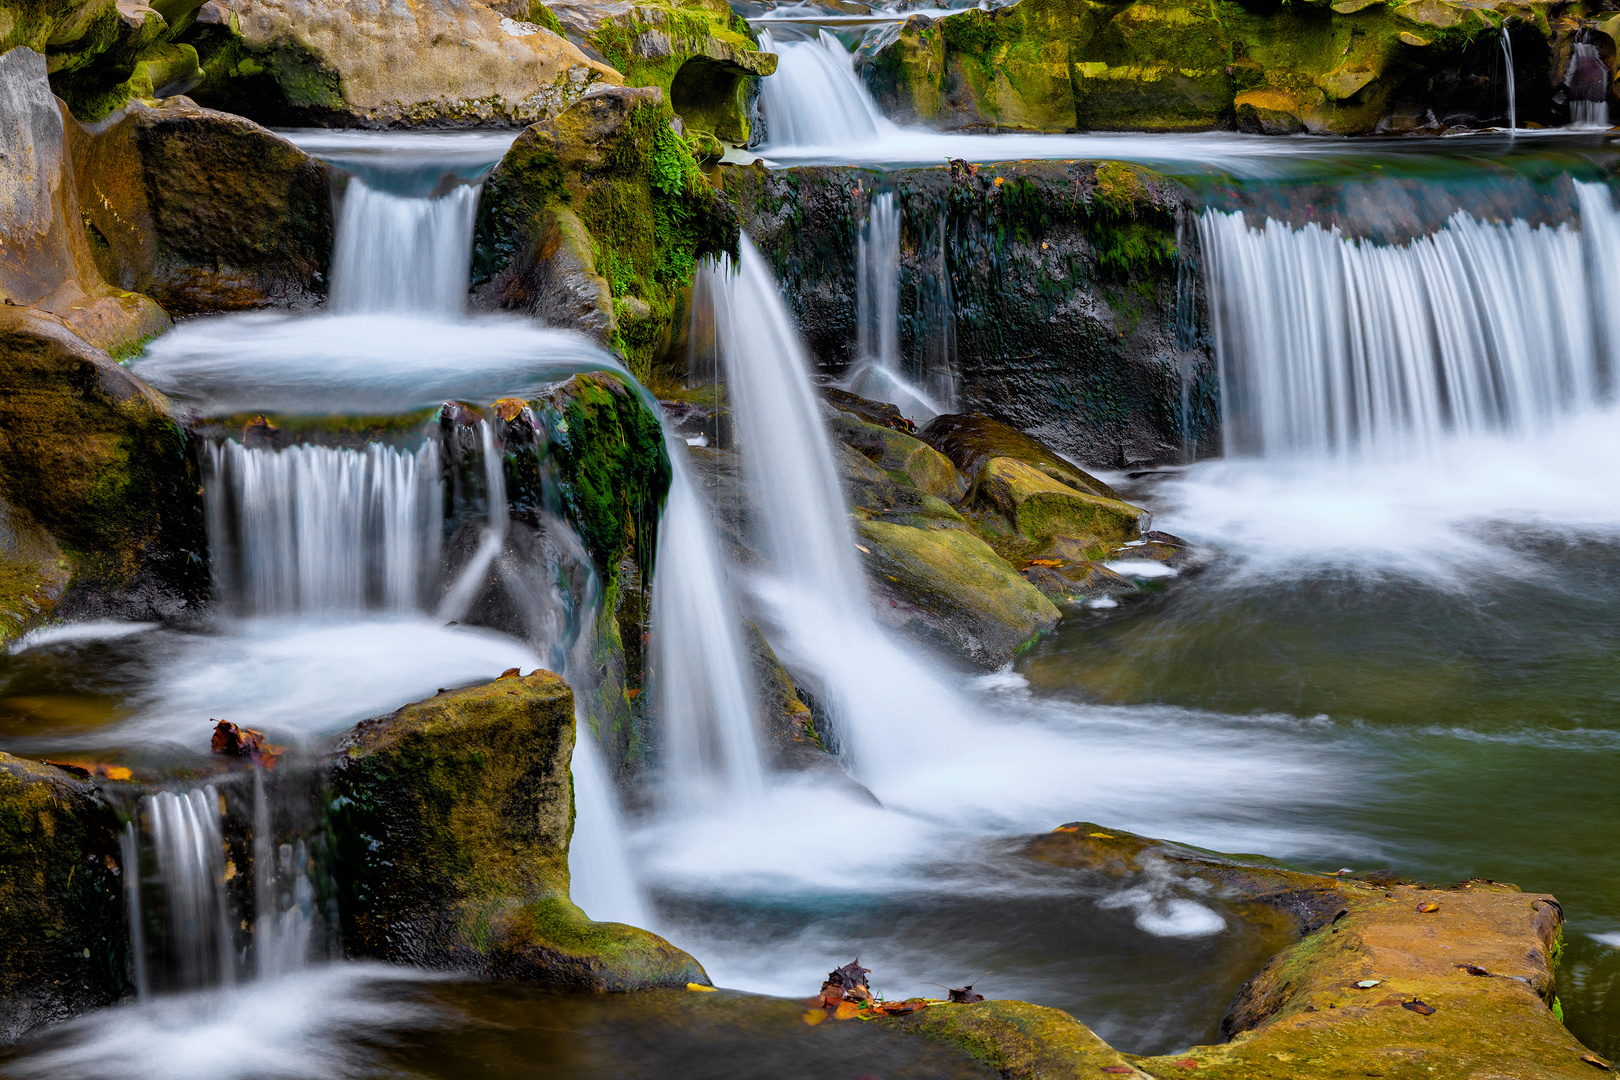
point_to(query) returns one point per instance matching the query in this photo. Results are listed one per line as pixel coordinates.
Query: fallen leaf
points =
(702, 988)
(1044, 562)
(509, 407)
(964, 995)
(863, 550)
(118, 772)
(1473, 969)
(632, 694)
(241, 742)
(1067, 828)
(849, 976)
(1422, 1008)
(1185, 1063)
(1596, 1062)
(846, 1010)
(509, 673)
(1428, 907)
(814, 1016)
(1368, 984)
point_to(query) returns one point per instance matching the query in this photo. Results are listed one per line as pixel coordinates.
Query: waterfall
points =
(1512, 90)
(702, 688)
(197, 947)
(1329, 345)
(319, 529)
(465, 589)
(877, 283)
(600, 879)
(403, 254)
(815, 98)
(1587, 77)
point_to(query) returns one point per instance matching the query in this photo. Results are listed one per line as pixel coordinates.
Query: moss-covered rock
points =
(971, 440)
(1167, 65)
(452, 820)
(1038, 506)
(1386, 978)
(949, 588)
(203, 211)
(437, 62)
(64, 947)
(1061, 298)
(607, 201)
(699, 53)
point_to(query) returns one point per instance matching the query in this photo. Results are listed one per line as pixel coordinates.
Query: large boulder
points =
(699, 53)
(202, 210)
(452, 820)
(352, 63)
(595, 221)
(64, 944)
(971, 440)
(1039, 507)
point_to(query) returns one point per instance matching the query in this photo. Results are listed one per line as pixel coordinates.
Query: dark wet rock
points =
(1061, 299)
(1078, 582)
(880, 413)
(900, 457)
(204, 211)
(594, 221)
(64, 946)
(452, 820)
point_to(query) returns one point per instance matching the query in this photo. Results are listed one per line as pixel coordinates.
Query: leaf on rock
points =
(849, 976)
(241, 742)
(1122, 1070)
(1474, 969)
(1596, 1062)
(509, 407)
(814, 1016)
(702, 988)
(1422, 1008)
(847, 1010)
(1368, 984)
(1428, 907)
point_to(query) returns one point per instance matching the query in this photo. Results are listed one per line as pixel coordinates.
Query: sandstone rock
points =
(607, 202)
(63, 943)
(445, 62)
(453, 818)
(949, 588)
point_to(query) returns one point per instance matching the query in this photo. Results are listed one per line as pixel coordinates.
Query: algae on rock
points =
(452, 819)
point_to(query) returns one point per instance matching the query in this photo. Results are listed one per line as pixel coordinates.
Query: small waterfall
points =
(877, 283)
(1588, 80)
(702, 686)
(467, 584)
(1329, 345)
(318, 529)
(1512, 89)
(600, 879)
(197, 947)
(397, 253)
(816, 98)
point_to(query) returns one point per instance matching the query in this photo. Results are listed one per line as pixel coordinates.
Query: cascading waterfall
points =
(197, 948)
(319, 529)
(815, 98)
(1512, 89)
(465, 588)
(877, 283)
(702, 689)
(1588, 79)
(403, 254)
(1330, 345)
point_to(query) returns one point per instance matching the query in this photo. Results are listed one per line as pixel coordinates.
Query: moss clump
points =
(614, 164)
(452, 820)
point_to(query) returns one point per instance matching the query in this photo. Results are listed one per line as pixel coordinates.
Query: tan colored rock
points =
(1037, 505)
(431, 60)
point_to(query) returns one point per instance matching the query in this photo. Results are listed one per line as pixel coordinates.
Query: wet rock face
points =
(1165, 65)
(64, 946)
(440, 62)
(452, 819)
(1061, 299)
(595, 221)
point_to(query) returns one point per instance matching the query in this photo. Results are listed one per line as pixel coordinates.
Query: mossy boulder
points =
(64, 946)
(203, 211)
(972, 440)
(1038, 506)
(452, 820)
(348, 63)
(1165, 65)
(907, 459)
(949, 588)
(607, 201)
(699, 53)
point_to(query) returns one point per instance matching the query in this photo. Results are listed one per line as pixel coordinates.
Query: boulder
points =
(906, 459)
(970, 441)
(452, 819)
(699, 53)
(202, 210)
(595, 221)
(350, 63)
(786, 725)
(1038, 506)
(949, 588)
(64, 943)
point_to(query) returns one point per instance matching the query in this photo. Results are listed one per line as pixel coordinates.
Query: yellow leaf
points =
(509, 407)
(118, 772)
(814, 1016)
(846, 1010)
(700, 986)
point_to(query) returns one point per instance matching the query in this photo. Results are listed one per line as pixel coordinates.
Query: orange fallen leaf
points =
(509, 407)
(509, 673)
(1044, 562)
(1428, 907)
(814, 1016)
(1067, 828)
(1422, 1008)
(118, 772)
(846, 1010)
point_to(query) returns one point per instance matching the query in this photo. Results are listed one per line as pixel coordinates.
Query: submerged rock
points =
(64, 946)
(452, 819)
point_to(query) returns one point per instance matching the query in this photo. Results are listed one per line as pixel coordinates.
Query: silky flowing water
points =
(1402, 656)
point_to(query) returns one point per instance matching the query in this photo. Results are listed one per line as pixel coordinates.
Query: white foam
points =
(1612, 940)
(1141, 568)
(97, 630)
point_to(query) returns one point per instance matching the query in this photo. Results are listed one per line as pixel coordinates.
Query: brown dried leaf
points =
(1422, 1008)
(1428, 907)
(508, 408)
(847, 1010)
(1596, 1062)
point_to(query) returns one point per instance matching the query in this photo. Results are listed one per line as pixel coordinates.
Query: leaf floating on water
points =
(1422, 1008)
(1368, 984)
(1428, 907)
(702, 988)
(814, 1016)
(1596, 1062)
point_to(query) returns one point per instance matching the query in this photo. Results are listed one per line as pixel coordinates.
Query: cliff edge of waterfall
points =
(1161, 65)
